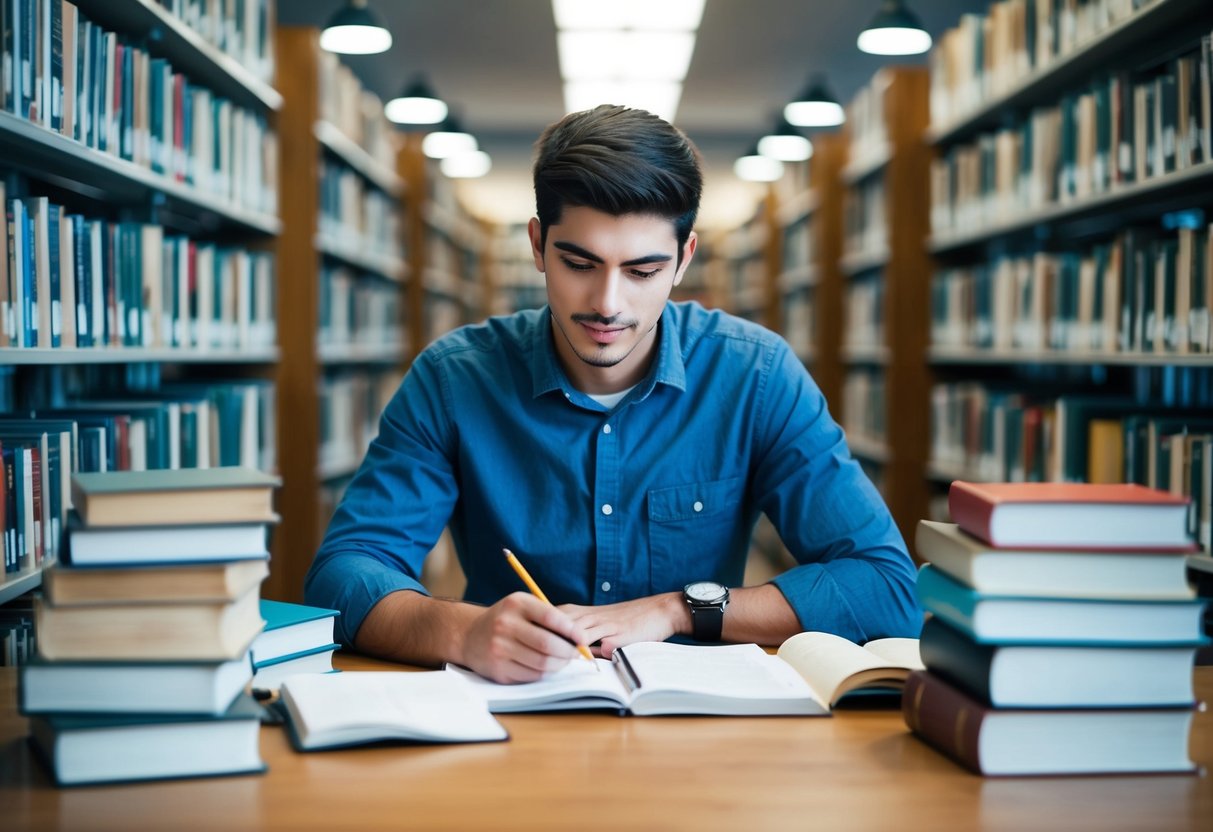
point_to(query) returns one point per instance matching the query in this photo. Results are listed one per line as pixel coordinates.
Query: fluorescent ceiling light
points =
(660, 99)
(416, 105)
(665, 15)
(597, 56)
(466, 165)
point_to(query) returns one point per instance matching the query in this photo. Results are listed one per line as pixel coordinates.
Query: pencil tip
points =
(507, 552)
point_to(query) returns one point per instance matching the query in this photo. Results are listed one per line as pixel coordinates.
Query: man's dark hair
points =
(619, 161)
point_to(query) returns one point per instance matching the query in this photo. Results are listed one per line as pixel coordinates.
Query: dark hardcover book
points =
(84, 291)
(1015, 742)
(1059, 676)
(55, 81)
(126, 124)
(53, 217)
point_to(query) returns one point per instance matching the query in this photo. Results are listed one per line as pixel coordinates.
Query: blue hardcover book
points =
(998, 619)
(84, 282)
(269, 673)
(149, 747)
(292, 629)
(53, 215)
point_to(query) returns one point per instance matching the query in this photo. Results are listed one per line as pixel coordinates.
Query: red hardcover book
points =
(1031, 742)
(1067, 515)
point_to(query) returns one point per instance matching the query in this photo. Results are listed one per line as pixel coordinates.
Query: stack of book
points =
(145, 628)
(296, 639)
(1062, 632)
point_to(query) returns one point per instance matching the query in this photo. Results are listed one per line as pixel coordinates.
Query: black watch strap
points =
(707, 622)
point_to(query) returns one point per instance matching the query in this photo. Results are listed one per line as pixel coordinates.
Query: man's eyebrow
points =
(573, 248)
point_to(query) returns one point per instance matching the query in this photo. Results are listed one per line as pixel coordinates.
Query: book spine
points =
(948, 653)
(944, 718)
(970, 511)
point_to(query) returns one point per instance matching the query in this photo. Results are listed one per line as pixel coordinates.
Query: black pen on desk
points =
(538, 593)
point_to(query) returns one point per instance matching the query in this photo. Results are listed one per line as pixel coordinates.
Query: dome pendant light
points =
(754, 167)
(895, 30)
(815, 107)
(416, 105)
(784, 143)
(355, 30)
(450, 139)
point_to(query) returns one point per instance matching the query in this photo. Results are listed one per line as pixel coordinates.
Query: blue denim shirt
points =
(487, 434)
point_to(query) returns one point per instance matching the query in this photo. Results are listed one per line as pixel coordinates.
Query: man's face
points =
(608, 279)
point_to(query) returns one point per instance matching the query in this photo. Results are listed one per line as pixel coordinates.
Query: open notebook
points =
(811, 672)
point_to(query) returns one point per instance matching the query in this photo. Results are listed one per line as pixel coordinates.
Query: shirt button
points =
(606, 428)
(606, 586)
(698, 506)
(606, 508)
(568, 395)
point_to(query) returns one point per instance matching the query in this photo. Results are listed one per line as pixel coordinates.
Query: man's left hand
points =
(654, 618)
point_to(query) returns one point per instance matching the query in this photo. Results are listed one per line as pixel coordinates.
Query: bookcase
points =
(886, 271)
(139, 183)
(1070, 222)
(343, 305)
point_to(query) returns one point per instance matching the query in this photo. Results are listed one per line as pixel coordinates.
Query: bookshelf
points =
(885, 271)
(342, 311)
(144, 343)
(1070, 219)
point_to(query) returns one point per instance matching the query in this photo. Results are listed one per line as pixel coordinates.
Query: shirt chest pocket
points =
(695, 532)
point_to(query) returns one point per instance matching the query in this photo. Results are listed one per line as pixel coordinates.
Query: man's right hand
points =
(519, 639)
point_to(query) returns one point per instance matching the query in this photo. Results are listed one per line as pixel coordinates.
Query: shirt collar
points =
(547, 375)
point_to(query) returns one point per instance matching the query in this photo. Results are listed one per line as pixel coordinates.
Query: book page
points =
(835, 666)
(579, 684)
(739, 671)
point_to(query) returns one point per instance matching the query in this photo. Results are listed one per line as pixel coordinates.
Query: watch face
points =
(705, 591)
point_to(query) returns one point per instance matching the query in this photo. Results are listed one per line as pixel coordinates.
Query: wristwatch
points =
(707, 601)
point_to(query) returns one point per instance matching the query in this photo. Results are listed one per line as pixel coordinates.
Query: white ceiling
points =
(495, 62)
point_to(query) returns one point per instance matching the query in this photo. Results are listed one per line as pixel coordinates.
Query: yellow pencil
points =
(538, 593)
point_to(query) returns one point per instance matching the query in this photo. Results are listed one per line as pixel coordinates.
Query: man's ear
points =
(536, 235)
(688, 251)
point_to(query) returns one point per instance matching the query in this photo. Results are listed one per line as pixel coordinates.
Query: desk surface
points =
(860, 769)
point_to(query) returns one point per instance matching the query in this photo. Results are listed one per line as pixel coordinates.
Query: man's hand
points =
(655, 618)
(520, 638)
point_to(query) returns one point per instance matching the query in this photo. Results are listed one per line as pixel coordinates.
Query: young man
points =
(622, 445)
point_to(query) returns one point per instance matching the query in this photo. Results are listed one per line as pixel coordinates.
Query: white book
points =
(328, 710)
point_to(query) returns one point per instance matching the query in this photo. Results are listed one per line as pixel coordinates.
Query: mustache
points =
(595, 318)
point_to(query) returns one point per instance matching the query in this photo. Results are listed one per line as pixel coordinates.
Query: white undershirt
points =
(609, 400)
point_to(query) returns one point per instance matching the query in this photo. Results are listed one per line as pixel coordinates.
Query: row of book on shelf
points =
(987, 55)
(1009, 435)
(76, 78)
(1124, 129)
(152, 633)
(70, 281)
(353, 211)
(196, 425)
(1141, 292)
(358, 309)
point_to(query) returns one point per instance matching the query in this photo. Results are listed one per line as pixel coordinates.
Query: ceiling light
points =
(450, 139)
(416, 105)
(608, 55)
(659, 98)
(785, 144)
(471, 165)
(894, 30)
(666, 15)
(815, 107)
(757, 168)
(355, 30)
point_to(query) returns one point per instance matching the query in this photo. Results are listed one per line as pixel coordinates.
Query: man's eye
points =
(578, 267)
(644, 275)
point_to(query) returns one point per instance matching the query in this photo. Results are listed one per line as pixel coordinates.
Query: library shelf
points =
(104, 177)
(336, 354)
(959, 356)
(138, 355)
(336, 142)
(859, 262)
(14, 586)
(393, 268)
(873, 355)
(871, 163)
(867, 448)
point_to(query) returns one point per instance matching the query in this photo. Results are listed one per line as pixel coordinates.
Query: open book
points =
(333, 710)
(811, 672)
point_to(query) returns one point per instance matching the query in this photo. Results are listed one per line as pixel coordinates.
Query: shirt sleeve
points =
(394, 509)
(855, 577)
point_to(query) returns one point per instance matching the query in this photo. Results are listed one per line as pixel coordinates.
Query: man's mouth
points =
(602, 334)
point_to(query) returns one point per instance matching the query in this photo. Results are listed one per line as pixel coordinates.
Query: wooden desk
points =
(858, 770)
